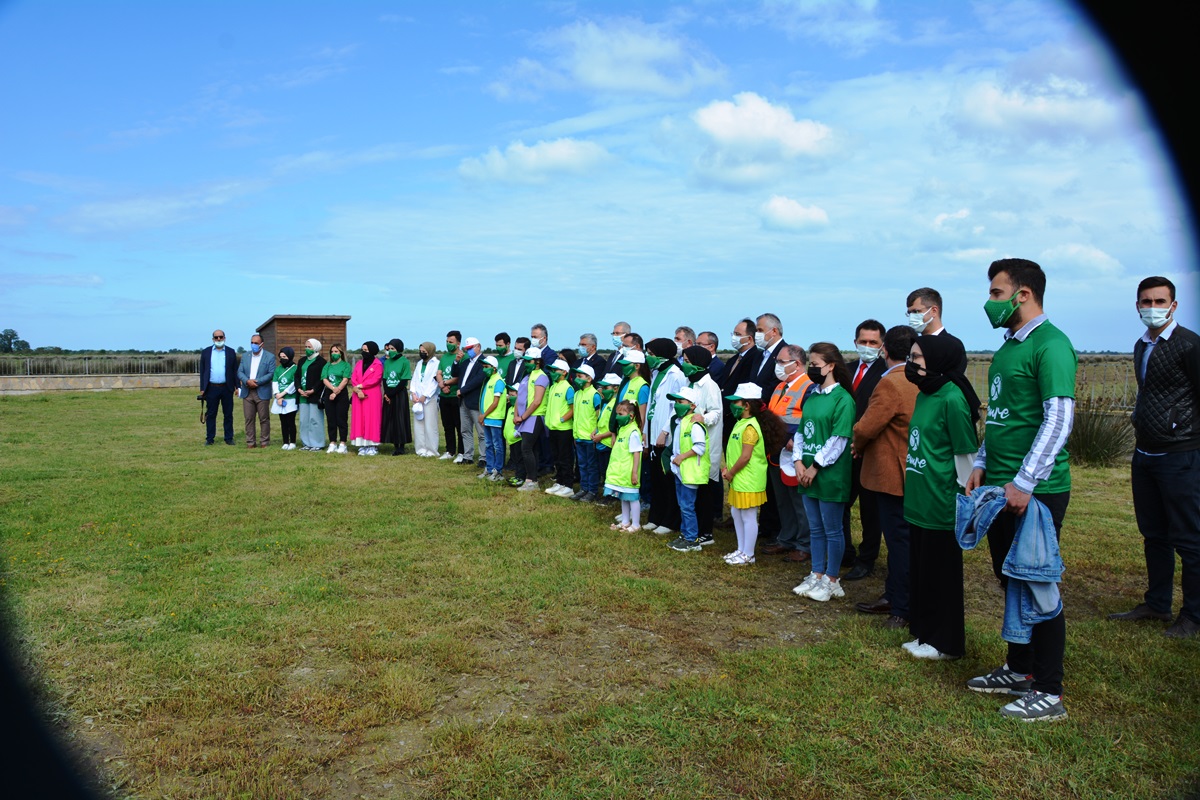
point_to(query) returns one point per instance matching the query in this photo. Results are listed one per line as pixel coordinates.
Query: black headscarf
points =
(399, 345)
(663, 348)
(944, 356)
(697, 356)
(369, 358)
(291, 356)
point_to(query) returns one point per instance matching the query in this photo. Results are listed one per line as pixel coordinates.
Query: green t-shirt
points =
(828, 415)
(334, 372)
(503, 362)
(446, 367)
(1022, 376)
(940, 429)
(284, 377)
(396, 370)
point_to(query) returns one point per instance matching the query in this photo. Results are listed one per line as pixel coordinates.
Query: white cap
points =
(689, 393)
(560, 365)
(419, 410)
(634, 357)
(746, 391)
(491, 361)
(533, 352)
(611, 379)
(586, 369)
(471, 340)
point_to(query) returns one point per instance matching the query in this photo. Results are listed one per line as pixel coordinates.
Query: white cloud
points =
(752, 125)
(157, 211)
(326, 161)
(974, 255)
(522, 163)
(1084, 259)
(1056, 110)
(785, 214)
(851, 24)
(623, 56)
(940, 220)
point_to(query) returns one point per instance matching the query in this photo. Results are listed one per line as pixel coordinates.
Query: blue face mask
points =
(617, 341)
(255, 348)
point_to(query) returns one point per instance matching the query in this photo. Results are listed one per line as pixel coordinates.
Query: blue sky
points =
(168, 168)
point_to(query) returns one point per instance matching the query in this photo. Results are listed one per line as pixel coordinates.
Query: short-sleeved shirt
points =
(334, 372)
(523, 400)
(396, 370)
(446, 368)
(1023, 375)
(940, 429)
(485, 400)
(745, 499)
(828, 413)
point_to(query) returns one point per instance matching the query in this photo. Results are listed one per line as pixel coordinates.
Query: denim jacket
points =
(1033, 564)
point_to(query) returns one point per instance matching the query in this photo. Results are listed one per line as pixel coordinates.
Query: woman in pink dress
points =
(366, 402)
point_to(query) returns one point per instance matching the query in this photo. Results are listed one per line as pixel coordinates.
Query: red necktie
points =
(862, 368)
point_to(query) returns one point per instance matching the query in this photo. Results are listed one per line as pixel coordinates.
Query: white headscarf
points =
(315, 344)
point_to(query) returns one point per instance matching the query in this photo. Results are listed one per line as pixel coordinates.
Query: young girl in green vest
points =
(602, 438)
(583, 426)
(493, 405)
(755, 431)
(689, 464)
(625, 466)
(824, 453)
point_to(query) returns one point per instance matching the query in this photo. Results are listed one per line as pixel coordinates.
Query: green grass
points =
(217, 622)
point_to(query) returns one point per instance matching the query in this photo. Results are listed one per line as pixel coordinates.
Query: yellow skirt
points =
(746, 499)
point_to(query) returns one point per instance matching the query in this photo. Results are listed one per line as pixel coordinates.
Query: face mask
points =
(683, 409)
(579, 383)
(913, 373)
(618, 341)
(393, 354)
(540, 342)
(623, 419)
(868, 354)
(366, 353)
(219, 345)
(308, 351)
(607, 394)
(678, 350)
(451, 347)
(760, 339)
(737, 409)
(557, 376)
(814, 375)
(917, 321)
(780, 372)
(284, 360)
(654, 362)
(736, 341)
(628, 370)
(424, 356)
(1154, 317)
(255, 348)
(519, 354)
(693, 372)
(488, 371)
(501, 349)
(335, 356)
(999, 312)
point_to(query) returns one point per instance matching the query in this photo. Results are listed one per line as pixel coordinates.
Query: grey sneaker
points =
(684, 546)
(1035, 706)
(704, 539)
(1002, 680)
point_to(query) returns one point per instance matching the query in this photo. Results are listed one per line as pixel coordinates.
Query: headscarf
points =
(290, 353)
(315, 344)
(943, 355)
(430, 348)
(399, 345)
(698, 355)
(369, 358)
(663, 348)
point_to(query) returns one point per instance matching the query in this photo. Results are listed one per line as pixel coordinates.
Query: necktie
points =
(858, 375)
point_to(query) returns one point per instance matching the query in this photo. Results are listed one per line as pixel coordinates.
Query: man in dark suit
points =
(741, 368)
(218, 379)
(620, 331)
(768, 337)
(469, 372)
(587, 352)
(709, 341)
(864, 376)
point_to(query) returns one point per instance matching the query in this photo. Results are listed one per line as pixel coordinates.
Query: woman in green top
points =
(941, 452)
(397, 372)
(336, 377)
(824, 438)
(283, 387)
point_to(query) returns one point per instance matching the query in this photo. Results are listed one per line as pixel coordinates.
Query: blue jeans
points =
(588, 460)
(825, 535)
(1166, 501)
(493, 443)
(685, 493)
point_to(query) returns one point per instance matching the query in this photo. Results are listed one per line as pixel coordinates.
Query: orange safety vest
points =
(786, 404)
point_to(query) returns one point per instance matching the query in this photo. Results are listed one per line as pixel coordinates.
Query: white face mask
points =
(760, 339)
(917, 321)
(780, 372)
(868, 354)
(736, 341)
(219, 345)
(1154, 317)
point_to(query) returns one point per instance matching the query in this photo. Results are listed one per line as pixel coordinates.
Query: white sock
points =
(635, 512)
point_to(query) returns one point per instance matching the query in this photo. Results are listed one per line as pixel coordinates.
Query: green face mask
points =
(579, 383)
(308, 351)
(501, 349)
(999, 312)
(557, 376)
(393, 354)
(607, 394)
(654, 362)
(737, 409)
(623, 419)
(628, 370)
(488, 371)
(692, 370)
(683, 409)
(335, 356)
(451, 347)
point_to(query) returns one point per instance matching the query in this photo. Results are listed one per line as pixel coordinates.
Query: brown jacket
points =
(881, 436)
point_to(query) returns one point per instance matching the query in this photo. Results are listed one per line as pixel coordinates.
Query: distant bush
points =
(1100, 438)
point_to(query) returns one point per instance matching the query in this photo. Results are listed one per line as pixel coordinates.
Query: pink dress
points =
(366, 415)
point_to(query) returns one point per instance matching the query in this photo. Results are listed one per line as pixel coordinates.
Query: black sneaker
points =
(578, 495)
(588, 497)
(1035, 707)
(684, 546)
(1002, 680)
(704, 539)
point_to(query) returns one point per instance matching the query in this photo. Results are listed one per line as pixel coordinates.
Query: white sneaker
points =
(663, 530)
(835, 588)
(732, 555)
(528, 486)
(910, 645)
(822, 591)
(649, 526)
(445, 457)
(928, 651)
(484, 475)
(342, 448)
(458, 459)
(807, 584)
(554, 489)
(741, 560)
(372, 451)
(565, 491)
(332, 448)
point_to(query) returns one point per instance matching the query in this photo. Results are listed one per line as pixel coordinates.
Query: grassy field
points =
(217, 622)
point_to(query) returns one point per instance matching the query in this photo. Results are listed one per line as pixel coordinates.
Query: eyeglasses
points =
(218, 338)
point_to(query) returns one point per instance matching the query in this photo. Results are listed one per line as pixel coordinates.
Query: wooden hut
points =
(292, 330)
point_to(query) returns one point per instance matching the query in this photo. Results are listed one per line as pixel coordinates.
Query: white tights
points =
(745, 524)
(631, 512)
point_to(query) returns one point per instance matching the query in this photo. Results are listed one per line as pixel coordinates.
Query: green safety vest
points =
(693, 471)
(531, 391)
(489, 392)
(632, 388)
(620, 465)
(510, 429)
(584, 421)
(753, 476)
(557, 407)
(606, 412)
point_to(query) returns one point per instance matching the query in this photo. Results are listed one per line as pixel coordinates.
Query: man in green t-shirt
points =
(1031, 404)
(448, 396)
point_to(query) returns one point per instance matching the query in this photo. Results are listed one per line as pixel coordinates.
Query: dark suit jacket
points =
(231, 366)
(469, 387)
(741, 371)
(766, 371)
(716, 370)
(862, 395)
(610, 365)
(516, 371)
(598, 363)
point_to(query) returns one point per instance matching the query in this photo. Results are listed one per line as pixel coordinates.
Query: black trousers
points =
(337, 415)
(527, 466)
(448, 407)
(1043, 656)
(664, 508)
(868, 515)
(287, 424)
(710, 500)
(219, 396)
(394, 429)
(936, 611)
(562, 445)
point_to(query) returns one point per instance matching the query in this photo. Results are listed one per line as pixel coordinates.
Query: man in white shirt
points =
(254, 387)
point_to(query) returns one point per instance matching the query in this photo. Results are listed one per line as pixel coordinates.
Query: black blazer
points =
(766, 372)
(516, 370)
(469, 389)
(597, 363)
(742, 371)
(862, 395)
(231, 365)
(312, 368)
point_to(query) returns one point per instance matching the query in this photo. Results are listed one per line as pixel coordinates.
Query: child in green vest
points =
(602, 438)
(493, 406)
(583, 427)
(689, 464)
(625, 466)
(560, 413)
(755, 431)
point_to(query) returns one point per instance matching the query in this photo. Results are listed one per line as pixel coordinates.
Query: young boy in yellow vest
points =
(602, 439)
(583, 425)
(560, 413)
(493, 405)
(689, 464)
